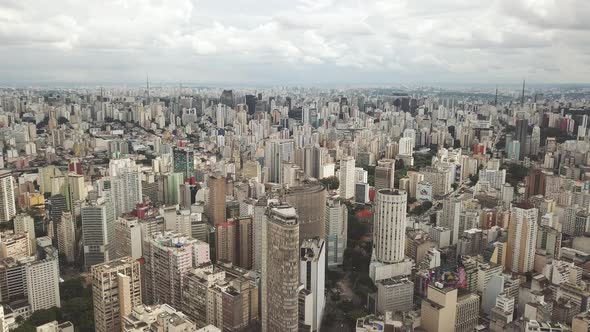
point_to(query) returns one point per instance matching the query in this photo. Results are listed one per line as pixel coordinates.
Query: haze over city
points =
(308, 42)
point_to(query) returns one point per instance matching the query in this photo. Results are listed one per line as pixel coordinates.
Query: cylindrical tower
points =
(389, 229)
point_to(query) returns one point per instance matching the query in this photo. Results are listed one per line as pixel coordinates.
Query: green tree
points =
(62, 120)
(331, 182)
(473, 179)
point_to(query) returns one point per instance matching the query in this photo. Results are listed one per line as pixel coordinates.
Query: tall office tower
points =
(439, 309)
(535, 183)
(275, 153)
(389, 229)
(313, 276)
(451, 215)
(57, 205)
(43, 283)
(125, 185)
(336, 220)
(184, 162)
(280, 270)
(98, 220)
(549, 239)
(171, 185)
(23, 223)
(575, 221)
(227, 98)
(77, 186)
(467, 312)
(259, 222)
(13, 280)
(406, 146)
(415, 178)
(347, 171)
(116, 289)
(384, 174)
(245, 243)
(128, 241)
(522, 126)
(229, 238)
(7, 205)
(251, 103)
(216, 206)
(535, 141)
(187, 195)
(309, 199)
(66, 237)
(169, 256)
(522, 238)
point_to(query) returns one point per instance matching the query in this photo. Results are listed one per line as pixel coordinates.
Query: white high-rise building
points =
(126, 188)
(389, 229)
(97, 232)
(275, 153)
(43, 284)
(406, 146)
(312, 275)
(23, 223)
(128, 241)
(7, 204)
(336, 231)
(522, 239)
(66, 236)
(347, 177)
(451, 215)
(360, 175)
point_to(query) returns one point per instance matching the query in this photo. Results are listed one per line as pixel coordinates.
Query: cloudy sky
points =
(295, 41)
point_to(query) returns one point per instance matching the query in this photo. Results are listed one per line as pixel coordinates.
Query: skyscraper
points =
(384, 174)
(336, 220)
(97, 232)
(313, 276)
(169, 256)
(126, 191)
(280, 270)
(184, 162)
(439, 309)
(66, 237)
(116, 289)
(451, 215)
(43, 283)
(522, 238)
(23, 223)
(7, 204)
(309, 199)
(389, 230)
(275, 153)
(128, 241)
(251, 103)
(522, 126)
(217, 192)
(347, 172)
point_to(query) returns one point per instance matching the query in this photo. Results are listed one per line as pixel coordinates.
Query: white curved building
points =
(389, 229)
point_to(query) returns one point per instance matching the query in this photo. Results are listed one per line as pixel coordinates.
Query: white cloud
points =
(304, 41)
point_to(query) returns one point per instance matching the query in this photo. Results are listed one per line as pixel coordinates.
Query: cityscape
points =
(312, 166)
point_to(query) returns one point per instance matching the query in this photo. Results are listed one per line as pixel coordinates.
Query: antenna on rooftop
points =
(522, 97)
